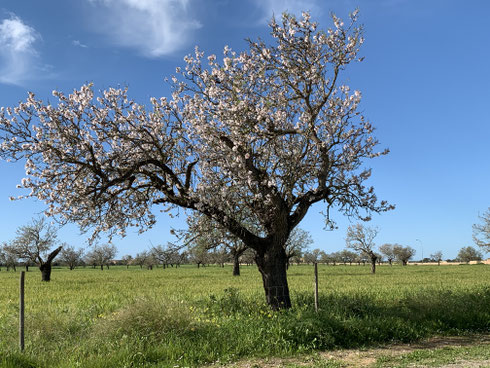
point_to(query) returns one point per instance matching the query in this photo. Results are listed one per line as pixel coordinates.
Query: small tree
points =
(141, 258)
(387, 251)
(127, 260)
(298, 241)
(361, 239)
(403, 254)
(248, 257)
(70, 256)
(313, 256)
(33, 243)
(211, 235)
(101, 255)
(437, 257)
(9, 256)
(481, 232)
(347, 256)
(199, 255)
(219, 256)
(468, 254)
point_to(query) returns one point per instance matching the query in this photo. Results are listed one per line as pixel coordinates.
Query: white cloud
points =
(18, 55)
(153, 27)
(79, 44)
(277, 7)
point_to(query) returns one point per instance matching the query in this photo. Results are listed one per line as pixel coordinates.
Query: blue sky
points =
(425, 83)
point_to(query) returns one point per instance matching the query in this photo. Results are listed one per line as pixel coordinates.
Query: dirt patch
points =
(365, 358)
(351, 358)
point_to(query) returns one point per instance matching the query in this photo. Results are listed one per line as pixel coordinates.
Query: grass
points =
(190, 317)
(437, 357)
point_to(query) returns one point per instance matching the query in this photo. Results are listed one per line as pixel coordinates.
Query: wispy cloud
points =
(153, 27)
(277, 7)
(18, 55)
(78, 44)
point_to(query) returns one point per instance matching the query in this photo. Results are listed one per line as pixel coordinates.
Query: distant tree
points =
(220, 256)
(481, 232)
(3, 257)
(313, 256)
(141, 258)
(70, 256)
(199, 255)
(162, 254)
(437, 257)
(468, 254)
(127, 260)
(248, 257)
(403, 254)
(364, 258)
(101, 255)
(361, 239)
(328, 258)
(204, 232)
(33, 243)
(347, 256)
(8, 256)
(298, 241)
(150, 261)
(387, 251)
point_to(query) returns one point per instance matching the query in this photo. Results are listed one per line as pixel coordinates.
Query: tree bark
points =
(373, 264)
(236, 265)
(45, 272)
(272, 266)
(46, 266)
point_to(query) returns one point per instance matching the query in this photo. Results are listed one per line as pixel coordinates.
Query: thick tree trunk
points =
(46, 266)
(45, 272)
(236, 265)
(272, 265)
(373, 264)
(102, 267)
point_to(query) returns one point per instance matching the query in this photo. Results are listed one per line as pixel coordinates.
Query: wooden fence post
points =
(316, 287)
(21, 311)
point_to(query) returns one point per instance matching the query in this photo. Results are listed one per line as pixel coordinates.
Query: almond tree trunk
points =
(46, 266)
(373, 264)
(236, 264)
(272, 265)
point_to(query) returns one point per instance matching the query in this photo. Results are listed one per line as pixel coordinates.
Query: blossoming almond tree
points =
(270, 131)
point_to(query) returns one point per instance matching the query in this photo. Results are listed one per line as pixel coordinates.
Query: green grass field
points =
(191, 317)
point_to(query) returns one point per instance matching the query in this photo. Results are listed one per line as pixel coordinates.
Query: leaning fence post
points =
(316, 287)
(21, 311)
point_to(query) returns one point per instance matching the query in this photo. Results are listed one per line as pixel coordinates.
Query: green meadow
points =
(179, 317)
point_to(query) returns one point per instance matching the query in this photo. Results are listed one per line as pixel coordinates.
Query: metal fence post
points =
(21, 311)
